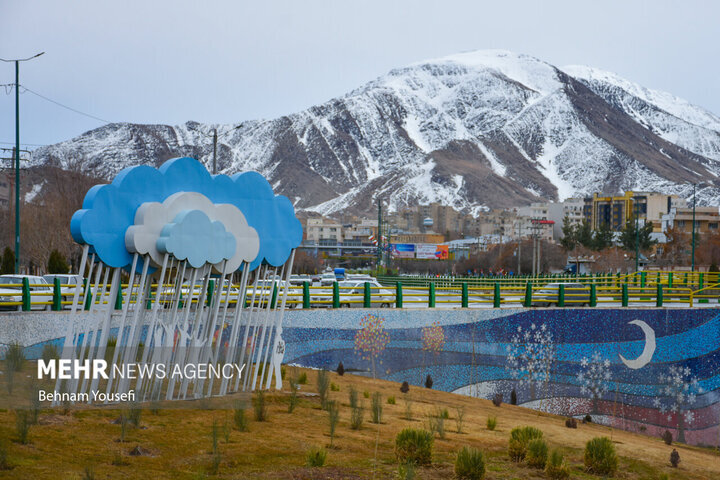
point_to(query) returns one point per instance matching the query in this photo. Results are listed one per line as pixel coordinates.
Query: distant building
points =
(570, 209)
(323, 231)
(706, 219)
(617, 210)
(5, 190)
(409, 237)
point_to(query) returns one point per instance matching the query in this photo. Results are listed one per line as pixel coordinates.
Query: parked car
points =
(67, 285)
(352, 294)
(11, 291)
(576, 295)
(327, 279)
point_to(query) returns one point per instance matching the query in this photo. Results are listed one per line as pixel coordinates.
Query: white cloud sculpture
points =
(151, 217)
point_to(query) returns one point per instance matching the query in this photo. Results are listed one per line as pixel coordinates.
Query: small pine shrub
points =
(356, 412)
(428, 381)
(124, 422)
(366, 394)
(436, 422)
(293, 399)
(537, 453)
(513, 397)
(587, 419)
(4, 462)
(667, 437)
(491, 423)
(408, 408)
(555, 467)
(315, 457)
(600, 456)
(134, 415)
(391, 400)
(302, 379)
(88, 473)
(497, 399)
(470, 464)
(22, 426)
(50, 352)
(353, 397)
(443, 412)
(571, 423)
(405, 387)
(333, 409)
(260, 407)
(214, 435)
(376, 408)
(14, 358)
(323, 385)
(674, 458)
(242, 422)
(414, 446)
(520, 437)
(334, 387)
(356, 417)
(340, 369)
(459, 418)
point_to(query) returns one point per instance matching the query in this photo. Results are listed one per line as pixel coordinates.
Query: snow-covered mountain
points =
(475, 130)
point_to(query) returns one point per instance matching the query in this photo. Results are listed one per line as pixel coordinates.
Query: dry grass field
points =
(178, 442)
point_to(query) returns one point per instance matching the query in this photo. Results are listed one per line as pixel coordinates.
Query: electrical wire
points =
(65, 106)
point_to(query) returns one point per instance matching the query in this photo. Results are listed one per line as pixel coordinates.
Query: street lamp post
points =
(17, 155)
(215, 140)
(693, 228)
(637, 235)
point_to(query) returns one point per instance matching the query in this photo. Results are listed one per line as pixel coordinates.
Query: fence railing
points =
(557, 291)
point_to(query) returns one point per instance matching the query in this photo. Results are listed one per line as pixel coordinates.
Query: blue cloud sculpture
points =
(108, 210)
(192, 236)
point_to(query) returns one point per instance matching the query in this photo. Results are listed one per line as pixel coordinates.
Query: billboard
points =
(432, 252)
(403, 250)
(442, 252)
(424, 251)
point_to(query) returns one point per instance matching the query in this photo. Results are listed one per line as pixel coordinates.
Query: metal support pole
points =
(693, 228)
(17, 167)
(17, 155)
(398, 295)
(637, 237)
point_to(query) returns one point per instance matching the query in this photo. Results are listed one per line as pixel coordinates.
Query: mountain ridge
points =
(474, 130)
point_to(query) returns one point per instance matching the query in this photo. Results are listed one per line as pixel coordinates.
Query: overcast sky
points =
(168, 62)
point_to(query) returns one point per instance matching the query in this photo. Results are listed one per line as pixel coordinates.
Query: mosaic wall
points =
(640, 370)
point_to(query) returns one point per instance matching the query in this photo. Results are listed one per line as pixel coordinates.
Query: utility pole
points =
(637, 235)
(17, 155)
(693, 228)
(519, 245)
(215, 141)
(379, 237)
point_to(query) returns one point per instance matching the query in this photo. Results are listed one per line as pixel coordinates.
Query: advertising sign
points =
(425, 251)
(403, 250)
(442, 252)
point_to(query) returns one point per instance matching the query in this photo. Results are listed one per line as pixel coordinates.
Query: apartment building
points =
(570, 210)
(617, 210)
(706, 219)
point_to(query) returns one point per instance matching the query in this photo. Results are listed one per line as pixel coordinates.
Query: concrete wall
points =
(636, 369)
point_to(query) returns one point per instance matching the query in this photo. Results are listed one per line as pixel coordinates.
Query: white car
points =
(11, 291)
(352, 295)
(68, 283)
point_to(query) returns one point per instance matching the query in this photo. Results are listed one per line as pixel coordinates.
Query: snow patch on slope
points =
(666, 101)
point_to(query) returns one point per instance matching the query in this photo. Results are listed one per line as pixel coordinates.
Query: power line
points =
(65, 106)
(25, 144)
